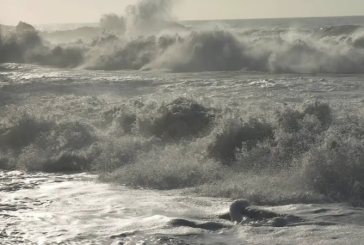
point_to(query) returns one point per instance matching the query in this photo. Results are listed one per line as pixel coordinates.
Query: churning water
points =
(109, 132)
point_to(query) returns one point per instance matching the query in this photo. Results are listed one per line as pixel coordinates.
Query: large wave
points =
(311, 153)
(148, 37)
(199, 50)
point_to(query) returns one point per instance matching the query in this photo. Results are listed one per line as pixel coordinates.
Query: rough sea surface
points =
(111, 132)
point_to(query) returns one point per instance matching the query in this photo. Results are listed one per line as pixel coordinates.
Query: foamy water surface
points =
(76, 209)
(130, 130)
(67, 112)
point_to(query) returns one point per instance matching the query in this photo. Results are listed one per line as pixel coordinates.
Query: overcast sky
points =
(80, 11)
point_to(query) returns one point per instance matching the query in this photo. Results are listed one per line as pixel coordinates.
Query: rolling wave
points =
(186, 143)
(148, 37)
(197, 50)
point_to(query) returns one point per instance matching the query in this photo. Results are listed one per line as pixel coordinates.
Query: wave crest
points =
(336, 50)
(297, 154)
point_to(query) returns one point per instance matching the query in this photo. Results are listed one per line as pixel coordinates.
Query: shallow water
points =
(77, 209)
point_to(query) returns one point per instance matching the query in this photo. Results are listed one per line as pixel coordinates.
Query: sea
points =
(141, 130)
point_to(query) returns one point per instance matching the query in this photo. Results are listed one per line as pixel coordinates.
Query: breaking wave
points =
(148, 37)
(187, 143)
(200, 50)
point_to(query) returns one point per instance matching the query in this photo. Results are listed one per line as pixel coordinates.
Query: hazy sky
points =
(72, 11)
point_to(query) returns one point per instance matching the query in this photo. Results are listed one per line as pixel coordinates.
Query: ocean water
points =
(111, 133)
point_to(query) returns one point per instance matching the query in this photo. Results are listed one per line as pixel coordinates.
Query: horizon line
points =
(195, 20)
(277, 18)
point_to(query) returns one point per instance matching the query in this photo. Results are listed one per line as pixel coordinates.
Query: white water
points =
(269, 111)
(76, 209)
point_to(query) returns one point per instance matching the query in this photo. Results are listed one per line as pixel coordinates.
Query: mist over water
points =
(143, 18)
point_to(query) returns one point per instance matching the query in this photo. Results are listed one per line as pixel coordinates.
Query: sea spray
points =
(143, 18)
(148, 37)
(183, 142)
